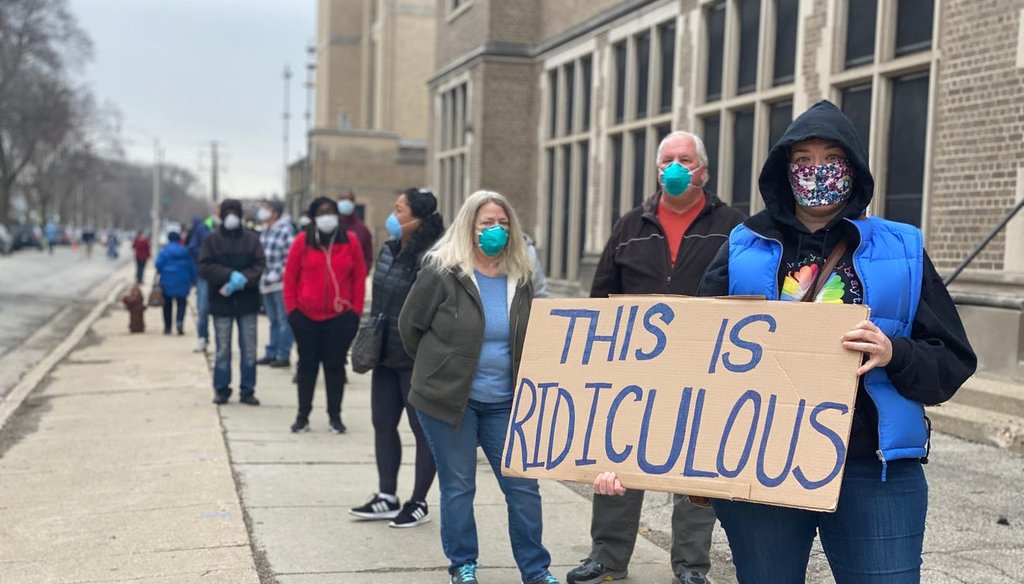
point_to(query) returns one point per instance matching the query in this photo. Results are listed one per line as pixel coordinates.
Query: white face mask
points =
(232, 222)
(346, 207)
(326, 223)
(263, 215)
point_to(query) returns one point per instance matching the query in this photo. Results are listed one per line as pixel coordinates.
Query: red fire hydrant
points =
(133, 302)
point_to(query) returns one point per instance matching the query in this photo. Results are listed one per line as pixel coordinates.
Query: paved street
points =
(119, 469)
(42, 297)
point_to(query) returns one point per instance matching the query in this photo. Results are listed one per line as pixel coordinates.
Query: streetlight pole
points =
(287, 133)
(154, 241)
(310, 84)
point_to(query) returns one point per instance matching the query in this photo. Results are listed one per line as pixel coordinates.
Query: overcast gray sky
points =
(191, 71)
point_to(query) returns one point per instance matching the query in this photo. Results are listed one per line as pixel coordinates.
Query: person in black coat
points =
(231, 259)
(414, 226)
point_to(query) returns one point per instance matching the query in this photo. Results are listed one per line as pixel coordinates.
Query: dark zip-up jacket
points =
(393, 278)
(223, 252)
(636, 257)
(442, 327)
(937, 358)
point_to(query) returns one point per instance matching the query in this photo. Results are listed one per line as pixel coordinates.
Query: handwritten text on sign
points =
(737, 399)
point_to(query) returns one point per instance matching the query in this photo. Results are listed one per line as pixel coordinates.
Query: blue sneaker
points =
(549, 579)
(466, 574)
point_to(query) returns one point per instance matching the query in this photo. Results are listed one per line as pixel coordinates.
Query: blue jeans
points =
(874, 537)
(222, 326)
(454, 452)
(202, 309)
(280, 345)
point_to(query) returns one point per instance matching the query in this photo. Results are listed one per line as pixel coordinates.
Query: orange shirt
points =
(675, 224)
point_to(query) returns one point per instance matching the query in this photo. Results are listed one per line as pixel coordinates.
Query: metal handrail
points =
(984, 243)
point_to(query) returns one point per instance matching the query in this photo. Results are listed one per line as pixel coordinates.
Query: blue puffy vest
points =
(889, 263)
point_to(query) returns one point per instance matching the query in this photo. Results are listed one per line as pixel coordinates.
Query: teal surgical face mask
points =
(493, 239)
(676, 178)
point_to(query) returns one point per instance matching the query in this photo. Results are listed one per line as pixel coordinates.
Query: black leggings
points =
(389, 397)
(326, 342)
(182, 301)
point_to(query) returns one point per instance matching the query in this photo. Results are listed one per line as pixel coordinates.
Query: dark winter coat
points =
(393, 277)
(177, 270)
(223, 252)
(636, 257)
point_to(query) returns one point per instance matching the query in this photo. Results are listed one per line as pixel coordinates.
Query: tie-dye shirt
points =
(842, 287)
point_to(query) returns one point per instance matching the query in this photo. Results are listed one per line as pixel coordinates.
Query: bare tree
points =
(40, 44)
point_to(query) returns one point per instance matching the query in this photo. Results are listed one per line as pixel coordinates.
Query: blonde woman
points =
(463, 324)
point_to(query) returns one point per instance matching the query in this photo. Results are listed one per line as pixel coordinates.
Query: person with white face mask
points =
(276, 239)
(231, 260)
(323, 295)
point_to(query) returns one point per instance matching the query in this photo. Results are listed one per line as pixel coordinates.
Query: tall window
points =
(861, 18)
(907, 135)
(644, 62)
(453, 149)
(743, 158)
(566, 164)
(750, 65)
(856, 104)
(785, 41)
(886, 94)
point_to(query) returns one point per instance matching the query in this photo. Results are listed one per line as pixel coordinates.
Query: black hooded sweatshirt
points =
(931, 364)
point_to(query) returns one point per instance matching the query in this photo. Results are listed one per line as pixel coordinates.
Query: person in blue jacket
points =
(816, 187)
(177, 275)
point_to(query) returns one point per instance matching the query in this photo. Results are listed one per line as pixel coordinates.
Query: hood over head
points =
(826, 122)
(230, 205)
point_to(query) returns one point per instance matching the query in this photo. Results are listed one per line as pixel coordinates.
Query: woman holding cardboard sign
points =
(464, 323)
(813, 243)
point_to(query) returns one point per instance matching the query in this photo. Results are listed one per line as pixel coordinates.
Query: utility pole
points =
(154, 236)
(310, 84)
(213, 169)
(287, 134)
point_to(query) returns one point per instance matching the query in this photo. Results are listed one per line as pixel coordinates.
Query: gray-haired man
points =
(659, 247)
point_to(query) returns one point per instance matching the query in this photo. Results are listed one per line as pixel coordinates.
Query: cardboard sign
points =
(733, 399)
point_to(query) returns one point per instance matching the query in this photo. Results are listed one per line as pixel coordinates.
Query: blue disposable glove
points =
(236, 282)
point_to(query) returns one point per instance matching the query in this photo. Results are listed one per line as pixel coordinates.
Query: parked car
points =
(6, 241)
(28, 236)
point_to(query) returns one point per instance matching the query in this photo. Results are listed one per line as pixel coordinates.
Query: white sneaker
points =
(201, 346)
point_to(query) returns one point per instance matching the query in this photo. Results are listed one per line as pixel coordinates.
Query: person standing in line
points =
(817, 186)
(231, 260)
(660, 247)
(196, 235)
(112, 244)
(414, 226)
(324, 291)
(141, 246)
(463, 324)
(276, 239)
(351, 222)
(177, 275)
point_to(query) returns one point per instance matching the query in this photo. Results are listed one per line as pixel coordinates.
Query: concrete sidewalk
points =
(298, 488)
(118, 468)
(115, 469)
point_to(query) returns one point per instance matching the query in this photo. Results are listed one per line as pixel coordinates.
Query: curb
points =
(14, 398)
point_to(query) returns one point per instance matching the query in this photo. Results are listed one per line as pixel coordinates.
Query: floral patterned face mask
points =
(821, 184)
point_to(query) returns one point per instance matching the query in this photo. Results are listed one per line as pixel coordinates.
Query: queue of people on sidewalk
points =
(449, 310)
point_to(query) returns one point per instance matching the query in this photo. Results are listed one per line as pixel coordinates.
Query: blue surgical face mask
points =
(676, 178)
(393, 226)
(493, 239)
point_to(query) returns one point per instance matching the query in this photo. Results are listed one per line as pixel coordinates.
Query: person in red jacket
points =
(141, 246)
(324, 290)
